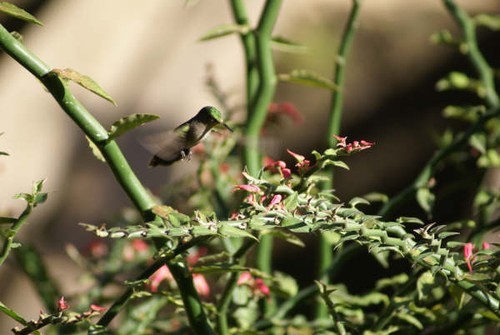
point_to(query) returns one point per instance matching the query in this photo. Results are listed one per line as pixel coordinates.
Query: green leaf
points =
(13, 10)
(358, 201)
(408, 219)
(487, 20)
(443, 37)
(12, 314)
(291, 202)
(231, 231)
(84, 81)
(309, 78)
(376, 197)
(411, 320)
(129, 122)
(219, 268)
(287, 236)
(478, 142)
(285, 45)
(396, 280)
(3, 153)
(425, 199)
(95, 150)
(224, 30)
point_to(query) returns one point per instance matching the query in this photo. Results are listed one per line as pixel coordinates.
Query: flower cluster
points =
(470, 256)
(257, 285)
(256, 197)
(352, 146)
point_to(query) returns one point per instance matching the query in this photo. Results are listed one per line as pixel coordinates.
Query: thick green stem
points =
(257, 115)
(114, 158)
(334, 124)
(248, 41)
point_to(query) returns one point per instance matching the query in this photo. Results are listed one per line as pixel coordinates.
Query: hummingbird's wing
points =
(166, 146)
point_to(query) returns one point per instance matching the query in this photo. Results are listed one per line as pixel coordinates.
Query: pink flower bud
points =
(62, 304)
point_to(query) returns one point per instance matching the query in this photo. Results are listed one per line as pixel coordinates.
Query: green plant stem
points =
(474, 55)
(258, 111)
(334, 124)
(486, 77)
(13, 230)
(266, 86)
(114, 158)
(118, 304)
(248, 41)
(426, 173)
(224, 301)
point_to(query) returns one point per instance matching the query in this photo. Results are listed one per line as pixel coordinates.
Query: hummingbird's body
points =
(177, 143)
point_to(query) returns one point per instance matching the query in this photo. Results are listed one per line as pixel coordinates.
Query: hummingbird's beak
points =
(227, 127)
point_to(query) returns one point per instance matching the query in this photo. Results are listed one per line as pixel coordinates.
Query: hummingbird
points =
(176, 144)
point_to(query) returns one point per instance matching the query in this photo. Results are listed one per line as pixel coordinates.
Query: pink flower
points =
(245, 277)
(256, 284)
(486, 246)
(276, 199)
(62, 304)
(247, 187)
(302, 163)
(286, 109)
(195, 254)
(261, 287)
(97, 308)
(201, 285)
(97, 248)
(353, 146)
(277, 167)
(468, 255)
(160, 275)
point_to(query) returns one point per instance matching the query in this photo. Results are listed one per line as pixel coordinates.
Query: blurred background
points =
(147, 56)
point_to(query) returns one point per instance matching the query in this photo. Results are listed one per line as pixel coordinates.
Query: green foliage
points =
(308, 78)
(189, 265)
(128, 123)
(13, 10)
(85, 82)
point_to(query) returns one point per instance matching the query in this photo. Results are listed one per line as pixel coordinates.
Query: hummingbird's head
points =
(212, 116)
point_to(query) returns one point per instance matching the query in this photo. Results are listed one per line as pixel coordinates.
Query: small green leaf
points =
(95, 150)
(13, 10)
(489, 21)
(219, 268)
(84, 81)
(12, 314)
(410, 319)
(287, 236)
(357, 201)
(224, 30)
(425, 199)
(231, 231)
(376, 197)
(285, 45)
(443, 37)
(129, 122)
(291, 202)
(309, 78)
(408, 219)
